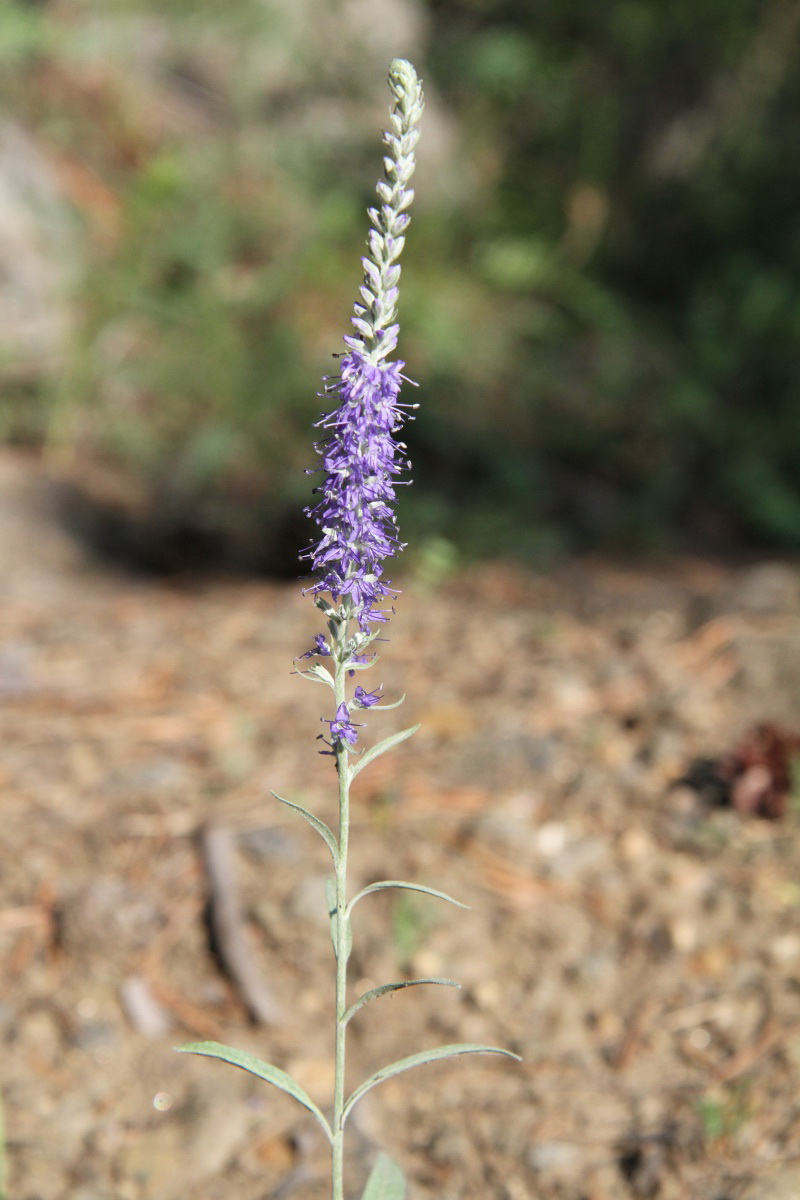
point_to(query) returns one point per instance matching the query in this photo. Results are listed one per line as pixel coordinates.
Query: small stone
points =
(556, 1157)
(785, 948)
(636, 845)
(551, 838)
(684, 935)
(144, 1012)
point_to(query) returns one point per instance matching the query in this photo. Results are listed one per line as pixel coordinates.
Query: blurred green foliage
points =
(637, 232)
(603, 308)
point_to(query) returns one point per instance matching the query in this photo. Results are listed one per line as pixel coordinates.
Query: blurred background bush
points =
(601, 294)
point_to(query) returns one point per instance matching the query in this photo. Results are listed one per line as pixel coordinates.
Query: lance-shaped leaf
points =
(374, 752)
(317, 673)
(386, 707)
(417, 1060)
(264, 1070)
(386, 1181)
(320, 826)
(374, 993)
(402, 883)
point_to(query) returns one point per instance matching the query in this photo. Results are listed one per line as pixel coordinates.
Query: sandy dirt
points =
(639, 947)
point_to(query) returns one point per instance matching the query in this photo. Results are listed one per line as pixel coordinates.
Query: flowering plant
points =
(361, 459)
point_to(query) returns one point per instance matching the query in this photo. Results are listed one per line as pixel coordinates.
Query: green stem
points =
(342, 924)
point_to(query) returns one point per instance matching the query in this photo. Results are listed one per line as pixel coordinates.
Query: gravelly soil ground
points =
(639, 949)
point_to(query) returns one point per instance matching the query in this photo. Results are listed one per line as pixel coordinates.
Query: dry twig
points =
(228, 927)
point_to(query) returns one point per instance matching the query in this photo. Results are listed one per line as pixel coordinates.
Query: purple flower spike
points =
(367, 699)
(361, 456)
(342, 728)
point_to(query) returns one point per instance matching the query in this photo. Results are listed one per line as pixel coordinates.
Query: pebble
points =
(636, 844)
(144, 1012)
(551, 838)
(785, 948)
(683, 934)
(553, 1156)
(585, 855)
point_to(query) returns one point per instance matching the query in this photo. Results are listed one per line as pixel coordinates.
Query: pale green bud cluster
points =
(374, 321)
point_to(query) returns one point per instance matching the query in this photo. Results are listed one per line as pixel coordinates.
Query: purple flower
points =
(367, 699)
(342, 728)
(322, 648)
(357, 659)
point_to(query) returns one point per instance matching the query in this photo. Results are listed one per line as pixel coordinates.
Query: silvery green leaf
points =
(264, 1070)
(386, 707)
(386, 1181)
(320, 826)
(374, 752)
(374, 993)
(402, 883)
(417, 1060)
(317, 673)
